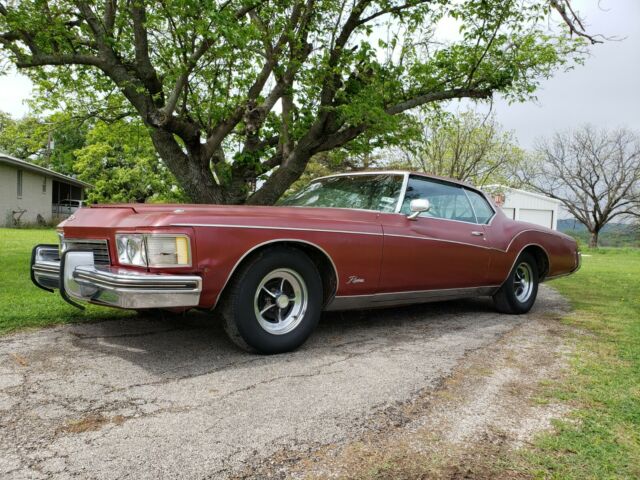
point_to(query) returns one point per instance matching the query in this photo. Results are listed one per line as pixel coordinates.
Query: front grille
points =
(99, 248)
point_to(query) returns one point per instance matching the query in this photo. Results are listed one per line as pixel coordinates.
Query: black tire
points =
(512, 297)
(244, 324)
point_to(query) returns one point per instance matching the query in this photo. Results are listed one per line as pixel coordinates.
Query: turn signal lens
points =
(182, 250)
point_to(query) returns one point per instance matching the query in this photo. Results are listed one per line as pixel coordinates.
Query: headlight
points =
(153, 250)
(168, 250)
(131, 250)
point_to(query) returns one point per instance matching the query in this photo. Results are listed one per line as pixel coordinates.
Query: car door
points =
(443, 248)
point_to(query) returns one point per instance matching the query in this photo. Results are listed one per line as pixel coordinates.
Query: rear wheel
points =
(518, 293)
(274, 301)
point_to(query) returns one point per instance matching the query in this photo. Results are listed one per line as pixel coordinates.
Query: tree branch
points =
(572, 20)
(144, 67)
(439, 96)
(40, 60)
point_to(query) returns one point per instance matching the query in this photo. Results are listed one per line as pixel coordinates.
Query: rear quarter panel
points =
(509, 238)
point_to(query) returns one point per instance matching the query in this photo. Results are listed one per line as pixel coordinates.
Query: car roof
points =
(402, 172)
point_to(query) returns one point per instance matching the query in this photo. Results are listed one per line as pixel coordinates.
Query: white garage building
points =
(526, 206)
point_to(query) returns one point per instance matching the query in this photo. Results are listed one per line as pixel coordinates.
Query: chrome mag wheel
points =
(280, 301)
(523, 282)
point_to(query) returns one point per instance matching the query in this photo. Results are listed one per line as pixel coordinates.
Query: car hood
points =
(131, 216)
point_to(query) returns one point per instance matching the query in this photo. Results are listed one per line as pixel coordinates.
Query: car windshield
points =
(379, 192)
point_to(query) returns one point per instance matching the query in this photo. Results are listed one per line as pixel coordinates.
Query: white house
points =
(30, 193)
(526, 206)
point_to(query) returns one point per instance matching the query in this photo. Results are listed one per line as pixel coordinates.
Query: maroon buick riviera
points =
(350, 241)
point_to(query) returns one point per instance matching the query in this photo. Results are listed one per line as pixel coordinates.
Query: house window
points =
(19, 183)
(44, 185)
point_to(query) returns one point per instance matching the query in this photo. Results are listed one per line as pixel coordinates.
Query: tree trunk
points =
(593, 240)
(279, 181)
(194, 176)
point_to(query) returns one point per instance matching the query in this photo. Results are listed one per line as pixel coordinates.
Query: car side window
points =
(481, 207)
(447, 201)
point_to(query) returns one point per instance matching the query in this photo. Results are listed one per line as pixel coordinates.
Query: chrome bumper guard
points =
(79, 279)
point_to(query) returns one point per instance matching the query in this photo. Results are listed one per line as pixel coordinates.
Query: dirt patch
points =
(466, 427)
(19, 359)
(91, 423)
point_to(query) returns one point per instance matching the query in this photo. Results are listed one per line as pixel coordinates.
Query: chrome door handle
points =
(475, 233)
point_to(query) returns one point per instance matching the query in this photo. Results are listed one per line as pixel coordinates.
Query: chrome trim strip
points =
(484, 196)
(520, 253)
(376, 300)
(440, 240)
(265, 227)
(464, 190)
(403, 192)
(277, 240)
(98, 278)
(262, 227)
(524, 231)
(372, 172)
(47, 268)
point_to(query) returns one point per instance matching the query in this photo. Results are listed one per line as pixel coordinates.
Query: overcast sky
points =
(604, 92)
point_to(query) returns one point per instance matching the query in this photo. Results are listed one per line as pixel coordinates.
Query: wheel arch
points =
(318, 255)
(542, 259)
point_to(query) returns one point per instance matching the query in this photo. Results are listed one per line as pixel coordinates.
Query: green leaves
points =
(309, 72)
(120, 162)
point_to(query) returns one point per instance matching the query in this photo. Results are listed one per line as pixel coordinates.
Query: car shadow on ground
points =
(192, 344)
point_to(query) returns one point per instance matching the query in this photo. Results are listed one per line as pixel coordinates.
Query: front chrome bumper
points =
(79, 279)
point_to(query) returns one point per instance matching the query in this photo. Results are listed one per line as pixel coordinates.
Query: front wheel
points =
(274, 301)
(518, 293)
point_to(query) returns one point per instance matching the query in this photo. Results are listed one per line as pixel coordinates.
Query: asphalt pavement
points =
(173, 398)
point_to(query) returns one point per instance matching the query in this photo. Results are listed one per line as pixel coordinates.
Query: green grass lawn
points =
(601, 438)
(21, 303)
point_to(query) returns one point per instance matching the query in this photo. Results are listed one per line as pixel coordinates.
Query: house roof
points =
(524, 192)
(16, 162)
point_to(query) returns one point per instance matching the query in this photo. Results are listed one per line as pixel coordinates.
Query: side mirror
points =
(418, 206)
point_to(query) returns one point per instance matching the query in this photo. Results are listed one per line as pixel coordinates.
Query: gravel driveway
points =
(173, 398)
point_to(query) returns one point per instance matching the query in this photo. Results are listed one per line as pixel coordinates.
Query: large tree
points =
(594, 173)
(236, 90)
